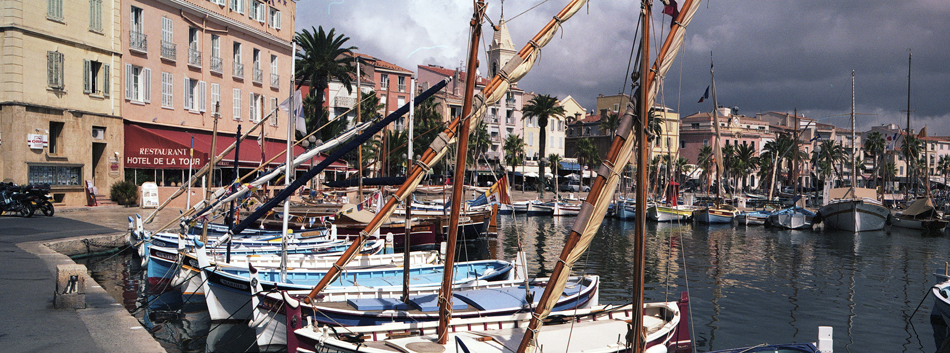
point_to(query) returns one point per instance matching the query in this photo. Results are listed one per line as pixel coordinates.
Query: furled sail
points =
(595, 207)
(516, 68)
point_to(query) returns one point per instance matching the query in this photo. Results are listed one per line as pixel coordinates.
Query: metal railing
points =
(194, 57)
(344, 102)
(168, 50)
(402, 87)
(217, 65)
(138, 41)
(238, 70)
(257, 75)
(274, 80)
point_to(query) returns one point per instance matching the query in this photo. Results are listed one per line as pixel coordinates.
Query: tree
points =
(780, 150)
(829, 155)
(323, 56)
(728, 163)
(874, 146)
(912, 148)
(514, 151)
(542, 107)
(943, 165)
(745, 163)
(587, 155)
(396, 146)
(555, 160)
(478, 143)
(609, 123)
(705, 160)
(682, 168)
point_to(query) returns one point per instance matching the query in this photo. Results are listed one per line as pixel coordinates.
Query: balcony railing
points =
(194, 57)
(274, 80)
(402, 87)
(238, 70)
(138, 41)
(217, 65)
(168, 50)
(257, 75)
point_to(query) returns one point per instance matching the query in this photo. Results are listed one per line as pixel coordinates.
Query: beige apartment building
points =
(60, 96)
(187, 63)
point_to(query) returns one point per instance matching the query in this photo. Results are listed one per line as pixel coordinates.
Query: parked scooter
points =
(38, 196)
(13, 199)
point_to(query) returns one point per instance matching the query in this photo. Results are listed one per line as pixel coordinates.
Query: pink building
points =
(186, 62)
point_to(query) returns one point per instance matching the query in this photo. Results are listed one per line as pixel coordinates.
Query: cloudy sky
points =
(769, 55)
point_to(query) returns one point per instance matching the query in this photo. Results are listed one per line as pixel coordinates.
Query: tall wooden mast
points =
(445, 294)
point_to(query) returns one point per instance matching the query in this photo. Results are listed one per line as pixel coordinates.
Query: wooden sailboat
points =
(796, 216)
(853, 209)
(921, 214)
(655, 325)
(719, 212)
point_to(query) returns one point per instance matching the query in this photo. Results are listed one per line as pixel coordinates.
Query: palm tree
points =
(912, 148)
(874, 146)
(829, 155)
(323, 56)
(780, 149)
(514, 149)
(587, 155)
(745, 162)
(682, 167)
(943, 165)
(705, 160)
(728, 163)
(610, 122)
(542, 107)
(396, 143)
(478, 143)
(555, 160)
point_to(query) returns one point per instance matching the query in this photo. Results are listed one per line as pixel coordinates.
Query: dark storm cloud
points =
(769, 55)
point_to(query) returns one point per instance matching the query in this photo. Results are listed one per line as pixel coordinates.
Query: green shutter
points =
(86, 76)
(106, 79)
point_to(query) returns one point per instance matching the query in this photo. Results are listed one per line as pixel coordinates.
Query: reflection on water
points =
(747, 285)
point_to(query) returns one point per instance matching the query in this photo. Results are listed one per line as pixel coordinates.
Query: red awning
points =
(160, 147)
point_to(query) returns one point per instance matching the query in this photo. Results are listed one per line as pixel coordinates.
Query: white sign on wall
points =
(149, 195)
(37, 141)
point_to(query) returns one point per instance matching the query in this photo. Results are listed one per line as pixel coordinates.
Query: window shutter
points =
(236, 109)
(106, 79)
(250, 108)
(86, 79)
(128, 81)
(215, 94)
(147, 85)
(277, 21)
(187, 93)
(50, 68)
(201, 95)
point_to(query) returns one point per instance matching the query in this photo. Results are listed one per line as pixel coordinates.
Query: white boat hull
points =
(789, 221)
(854, 215)
(919, 224)
(668, 214)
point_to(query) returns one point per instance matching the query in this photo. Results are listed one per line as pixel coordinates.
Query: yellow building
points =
(60, 99)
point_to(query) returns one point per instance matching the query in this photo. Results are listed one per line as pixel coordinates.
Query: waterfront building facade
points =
(60, 102)
(187, 64)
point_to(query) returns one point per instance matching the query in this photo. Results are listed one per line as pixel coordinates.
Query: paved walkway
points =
(28, 320)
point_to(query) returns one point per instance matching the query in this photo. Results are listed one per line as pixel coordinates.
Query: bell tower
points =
(501, 49)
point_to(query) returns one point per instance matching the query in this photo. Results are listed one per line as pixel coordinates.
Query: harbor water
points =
(747, 285)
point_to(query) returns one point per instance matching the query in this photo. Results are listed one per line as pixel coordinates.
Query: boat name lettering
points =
(233, 284)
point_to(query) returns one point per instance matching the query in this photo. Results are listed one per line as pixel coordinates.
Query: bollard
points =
(70, 287)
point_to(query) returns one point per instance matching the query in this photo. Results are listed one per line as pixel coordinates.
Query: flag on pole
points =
(817, 136)
(297, 112)
(704, 96)
(671, 10)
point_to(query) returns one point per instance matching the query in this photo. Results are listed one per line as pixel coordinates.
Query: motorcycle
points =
(38, 196)
(13, 199)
